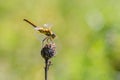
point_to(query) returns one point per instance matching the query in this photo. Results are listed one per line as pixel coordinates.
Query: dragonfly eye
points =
(53, 36)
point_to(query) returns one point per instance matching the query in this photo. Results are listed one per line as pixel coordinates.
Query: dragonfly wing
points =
(38, 28)
(39, 36)
(47, 26)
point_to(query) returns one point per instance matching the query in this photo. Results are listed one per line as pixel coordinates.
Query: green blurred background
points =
(88, 39)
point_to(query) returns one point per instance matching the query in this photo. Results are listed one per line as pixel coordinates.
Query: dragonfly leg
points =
(44, 41)
(49, 39)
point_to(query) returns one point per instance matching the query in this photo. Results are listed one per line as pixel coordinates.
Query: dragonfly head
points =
(53, 35)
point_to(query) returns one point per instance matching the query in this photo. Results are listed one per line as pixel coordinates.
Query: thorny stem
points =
(46, 68)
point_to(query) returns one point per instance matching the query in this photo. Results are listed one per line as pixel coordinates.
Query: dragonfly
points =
(46, 30)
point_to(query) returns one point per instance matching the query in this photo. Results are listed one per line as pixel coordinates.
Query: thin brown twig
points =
(47, 52)
(46, 69)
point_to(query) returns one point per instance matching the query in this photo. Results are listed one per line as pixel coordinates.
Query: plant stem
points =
(46, 68)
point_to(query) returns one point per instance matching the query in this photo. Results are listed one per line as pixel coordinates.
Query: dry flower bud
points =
(48, 51)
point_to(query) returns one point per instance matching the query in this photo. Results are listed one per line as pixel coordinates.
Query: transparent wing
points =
(39, 36)
(47, 26)
(38, 28)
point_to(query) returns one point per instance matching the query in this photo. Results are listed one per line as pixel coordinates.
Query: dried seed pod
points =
(48, 51)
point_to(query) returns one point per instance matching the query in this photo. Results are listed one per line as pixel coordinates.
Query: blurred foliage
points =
(87, 40)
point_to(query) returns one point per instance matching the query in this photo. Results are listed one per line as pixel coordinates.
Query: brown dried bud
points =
(48, 51)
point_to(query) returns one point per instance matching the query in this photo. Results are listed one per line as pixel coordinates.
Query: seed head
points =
(48, 51)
